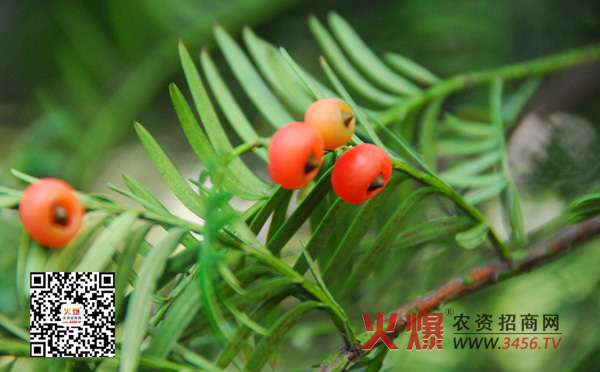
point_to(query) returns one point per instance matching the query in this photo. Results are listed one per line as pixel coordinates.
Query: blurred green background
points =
(75, 74)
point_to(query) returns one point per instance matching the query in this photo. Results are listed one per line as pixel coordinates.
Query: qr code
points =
(72, 314)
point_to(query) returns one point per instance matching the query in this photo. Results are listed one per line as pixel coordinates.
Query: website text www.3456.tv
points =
(504, 343)
(485, 331)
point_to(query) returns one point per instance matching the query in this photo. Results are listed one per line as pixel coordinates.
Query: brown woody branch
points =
(476, 279)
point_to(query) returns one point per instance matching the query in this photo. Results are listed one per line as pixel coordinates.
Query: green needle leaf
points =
(323, 232)
(143, 193)
(22, 176)
(475, 166)
(404, 148)
(410, 69)
(279, 216)
(215, 131)
(350, 75)
(125, 265)
(242, 333)
(138, 311)
(260, 355)
(250, 80)
(301, 214)
(251, 212)
(483, 194)
(206, 152)
(230, 108)
(366, 60)
(585, 207)
(170, 174)
(9, 201)
(432, 231)
(318, 90)
(208, 293)
(14, 328)
(468, 147)
(429, 128)
(358, 228)
(262, 291)
(196, 359)
(470, 128)
(472, 238)
(101, 251)
(265, 290)
(385, 238)
(330, 302)
(475, 180)
(175, 321)
(9, 191)
(22, 254)
(590, 198)
(377, 362)
(242, 317)
(277, 71)
(187, 305)
(515, 102)
(142, 202)
(515, 216)
(229, 278)
(274, 201)
(512, 205)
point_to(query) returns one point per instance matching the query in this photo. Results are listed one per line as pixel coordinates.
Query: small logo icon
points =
(429, 324)
(72, 315)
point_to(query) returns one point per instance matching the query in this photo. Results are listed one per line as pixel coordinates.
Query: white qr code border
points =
(72, 314)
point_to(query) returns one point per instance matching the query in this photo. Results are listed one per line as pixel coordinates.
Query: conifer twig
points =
(475, 280)
(540, 66)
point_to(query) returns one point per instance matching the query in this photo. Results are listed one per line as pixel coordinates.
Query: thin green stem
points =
(90, 204)
(247, 147)
(95, 204)
(337, 314)
(457, 198)
(520, 70)
(177, 290)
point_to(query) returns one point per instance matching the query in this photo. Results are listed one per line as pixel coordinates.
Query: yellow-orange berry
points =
(334, 119)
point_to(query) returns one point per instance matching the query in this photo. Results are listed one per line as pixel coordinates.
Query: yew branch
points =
(476, 279)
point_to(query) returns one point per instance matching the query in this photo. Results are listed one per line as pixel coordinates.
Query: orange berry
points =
(295, 155)
(361, 173)
(50, 212)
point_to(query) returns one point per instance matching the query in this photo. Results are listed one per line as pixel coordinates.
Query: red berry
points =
(361, 173)
(295, 155)
(50, 212)
(334, 119)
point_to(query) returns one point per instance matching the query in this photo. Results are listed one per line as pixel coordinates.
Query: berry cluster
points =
(297, 150)
(52, 215)
(50, 212)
